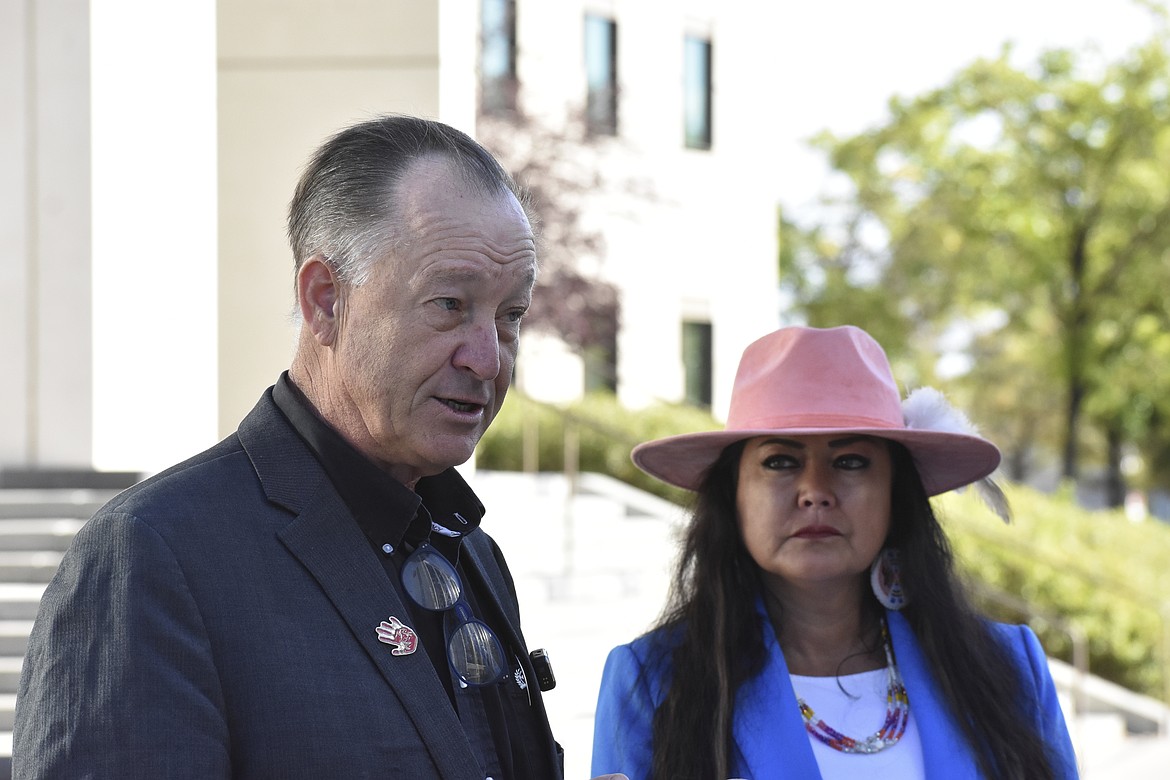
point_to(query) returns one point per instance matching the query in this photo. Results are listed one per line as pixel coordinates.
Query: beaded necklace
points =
(897, 714)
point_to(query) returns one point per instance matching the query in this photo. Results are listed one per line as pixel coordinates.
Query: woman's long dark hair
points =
(711, 614)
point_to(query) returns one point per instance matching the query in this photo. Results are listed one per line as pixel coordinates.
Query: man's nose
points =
(480, 352)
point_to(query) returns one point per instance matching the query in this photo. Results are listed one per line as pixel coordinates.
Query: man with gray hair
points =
(313, 596)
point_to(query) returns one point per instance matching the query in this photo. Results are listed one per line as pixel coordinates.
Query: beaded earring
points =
(885, 577)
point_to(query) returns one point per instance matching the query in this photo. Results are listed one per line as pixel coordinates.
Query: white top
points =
(855, 705)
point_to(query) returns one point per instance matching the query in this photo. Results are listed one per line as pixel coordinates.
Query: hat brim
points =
(945, 461)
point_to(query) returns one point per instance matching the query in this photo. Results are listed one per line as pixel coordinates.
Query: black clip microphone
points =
(543, 668)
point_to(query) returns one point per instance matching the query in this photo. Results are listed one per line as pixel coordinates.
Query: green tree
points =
(1024, 213)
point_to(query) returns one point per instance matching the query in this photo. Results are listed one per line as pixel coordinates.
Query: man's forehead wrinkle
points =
(458, 238)
(424, 208)
(461, 271)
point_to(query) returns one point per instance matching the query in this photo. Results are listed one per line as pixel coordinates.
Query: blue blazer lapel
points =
(768, 729)
(945, 752)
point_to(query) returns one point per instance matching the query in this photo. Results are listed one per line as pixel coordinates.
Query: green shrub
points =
(1095, 571)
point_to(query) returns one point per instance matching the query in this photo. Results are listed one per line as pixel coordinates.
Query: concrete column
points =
(286, 82)
(17, 354)
(155, 325)
(46, 414)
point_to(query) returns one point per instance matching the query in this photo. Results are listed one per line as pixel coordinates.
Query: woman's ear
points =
(319, 299)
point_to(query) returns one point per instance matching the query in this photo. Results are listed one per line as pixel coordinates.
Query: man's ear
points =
(319, 298)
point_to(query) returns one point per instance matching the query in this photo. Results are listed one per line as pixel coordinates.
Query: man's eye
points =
(515, 315)
(448, 304)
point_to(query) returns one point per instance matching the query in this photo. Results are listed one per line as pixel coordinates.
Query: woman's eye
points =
(852, 462)
(780, 462)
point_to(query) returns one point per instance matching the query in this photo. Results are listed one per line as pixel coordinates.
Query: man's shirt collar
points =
(440, 507)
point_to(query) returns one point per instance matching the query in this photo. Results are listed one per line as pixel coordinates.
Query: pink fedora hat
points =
(808, 381)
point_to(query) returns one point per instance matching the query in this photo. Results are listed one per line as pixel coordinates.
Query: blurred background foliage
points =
(1007, 237)
(1094, 571)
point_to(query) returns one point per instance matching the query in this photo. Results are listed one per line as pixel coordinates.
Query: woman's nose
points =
(816, 488)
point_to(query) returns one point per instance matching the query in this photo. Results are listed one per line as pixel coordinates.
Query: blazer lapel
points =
(768, 728)
(482, 566)
(945, 752)
(328, 543)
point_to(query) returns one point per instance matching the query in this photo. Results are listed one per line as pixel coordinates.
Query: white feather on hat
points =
(927, 409)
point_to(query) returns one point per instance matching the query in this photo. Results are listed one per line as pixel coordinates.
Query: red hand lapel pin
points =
(398, 635)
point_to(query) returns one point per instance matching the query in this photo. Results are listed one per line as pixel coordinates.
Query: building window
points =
(497, 56)
(697, 92)
(601, 368)
(601, 74)
(696, 355)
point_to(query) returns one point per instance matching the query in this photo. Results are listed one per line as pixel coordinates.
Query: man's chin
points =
(454, 454)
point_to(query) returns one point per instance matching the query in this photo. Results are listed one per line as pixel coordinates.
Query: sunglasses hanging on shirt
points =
(473, 649)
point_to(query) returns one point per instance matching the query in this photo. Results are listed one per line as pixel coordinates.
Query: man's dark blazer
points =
(218, 620)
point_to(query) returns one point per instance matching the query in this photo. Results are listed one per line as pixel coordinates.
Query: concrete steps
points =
(19, 600)
(10, 672)
(36, 526)
(38, 534)
(29, 566)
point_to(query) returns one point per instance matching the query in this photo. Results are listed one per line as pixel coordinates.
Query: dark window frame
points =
(698, 92)
(498, 83)
(698, 354)
(601, 75)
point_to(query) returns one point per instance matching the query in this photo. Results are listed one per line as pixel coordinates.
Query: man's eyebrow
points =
(456, 274)
(468, 274)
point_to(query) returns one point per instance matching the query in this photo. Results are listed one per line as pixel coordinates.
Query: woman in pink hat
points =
(816, 627)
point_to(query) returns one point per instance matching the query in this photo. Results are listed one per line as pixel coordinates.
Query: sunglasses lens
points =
(475, 654)
(430, 579)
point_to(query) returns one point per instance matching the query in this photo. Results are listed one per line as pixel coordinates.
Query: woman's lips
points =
(817, 532)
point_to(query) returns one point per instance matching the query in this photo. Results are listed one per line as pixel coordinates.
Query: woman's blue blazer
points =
(771, 742)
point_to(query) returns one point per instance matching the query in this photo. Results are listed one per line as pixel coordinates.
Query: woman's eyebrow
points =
(850, 440)
(784, 442)
(797, 445)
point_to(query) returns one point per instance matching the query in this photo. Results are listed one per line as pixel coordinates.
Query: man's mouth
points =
(461, 406)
